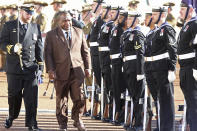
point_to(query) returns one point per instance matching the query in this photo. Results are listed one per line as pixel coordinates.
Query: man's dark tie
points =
(24, 26)
(68, 38)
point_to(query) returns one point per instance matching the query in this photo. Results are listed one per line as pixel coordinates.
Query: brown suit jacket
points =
(59, 57)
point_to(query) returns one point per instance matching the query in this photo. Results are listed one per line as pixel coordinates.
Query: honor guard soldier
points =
(163, 63)
(4, 18)
(147, 65)
(13, 12)
(24, 64)
(41, 18)
(170, 18)
(57, 6)
(111, 15)
(87, 17)
(133, 5)
(118, 81)
(187, 45)
(92, 38)
(133, 51)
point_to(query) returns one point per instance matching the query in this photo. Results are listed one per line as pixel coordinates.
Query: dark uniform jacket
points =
(32, 49)
(93, 36)
(187, 43)
(103, 40)
(147, 52)
(133, 44)
(114, 44)
(164, 41)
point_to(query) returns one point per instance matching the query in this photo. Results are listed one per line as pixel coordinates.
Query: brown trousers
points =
(2, 59)
(75, 87)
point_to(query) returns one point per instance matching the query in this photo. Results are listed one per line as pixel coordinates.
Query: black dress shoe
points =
(96, 117)
(34, 128)
(106, 120)
(131, 129)
(116, 123)
(86, 114)
(156, 129)
(8, 123)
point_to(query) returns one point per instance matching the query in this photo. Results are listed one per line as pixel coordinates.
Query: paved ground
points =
(46, 114)
(48, 122)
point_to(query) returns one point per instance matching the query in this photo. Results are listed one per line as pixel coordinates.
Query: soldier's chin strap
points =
(122, 24)
(117, 14)
(186, 14)
(160, 13)
(108, 9)
(98, 4)
(149, 23)
(133, 21)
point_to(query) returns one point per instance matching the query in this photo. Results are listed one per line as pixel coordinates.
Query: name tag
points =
(115, 33)
(161, 33)
(131, 37)
(35, 36)
(106, 29)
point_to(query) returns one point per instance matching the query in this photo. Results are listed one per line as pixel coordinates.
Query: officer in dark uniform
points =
(104, 56)
(163, 63)
(118, 81)
(147, 65)
(132, 51)
(24, 64)
(187, 42)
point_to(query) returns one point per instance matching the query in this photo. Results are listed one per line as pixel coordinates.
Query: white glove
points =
(171, 76)
(195, 74)
(140, 77)
(39, 73)
(18, 48)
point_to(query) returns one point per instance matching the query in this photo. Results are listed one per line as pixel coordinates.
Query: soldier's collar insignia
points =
(185, 29)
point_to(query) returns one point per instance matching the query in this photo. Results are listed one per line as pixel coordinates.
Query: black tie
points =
(24, 26)
(68, 38)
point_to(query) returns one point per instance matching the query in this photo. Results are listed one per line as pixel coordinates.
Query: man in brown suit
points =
(66, 56)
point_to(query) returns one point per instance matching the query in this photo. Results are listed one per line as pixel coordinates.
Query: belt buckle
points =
(124, 59)
(145, 58)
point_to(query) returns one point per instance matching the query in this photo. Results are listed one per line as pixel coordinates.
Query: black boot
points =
(34, 128)
(8, 123)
